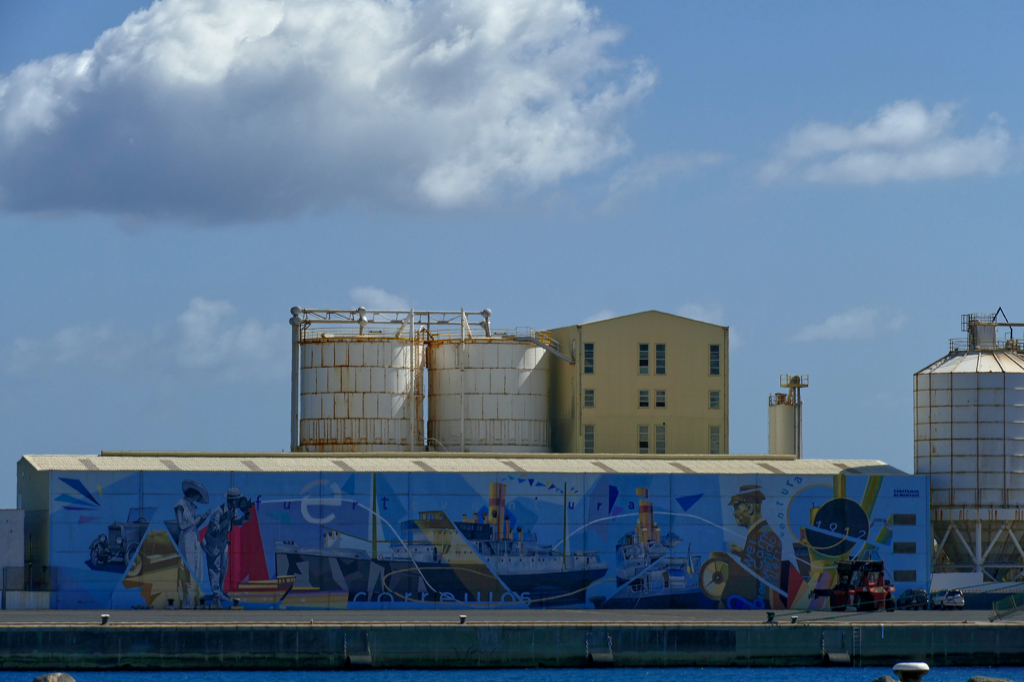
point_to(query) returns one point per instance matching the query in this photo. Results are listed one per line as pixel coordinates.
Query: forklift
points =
(861, 584)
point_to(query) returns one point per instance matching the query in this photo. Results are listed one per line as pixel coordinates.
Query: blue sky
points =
(835, 182)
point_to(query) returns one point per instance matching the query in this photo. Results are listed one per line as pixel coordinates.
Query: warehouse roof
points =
(459, 463)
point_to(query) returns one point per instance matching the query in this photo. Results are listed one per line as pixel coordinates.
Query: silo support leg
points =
(1013, 537)
(963, 541)
(992, 544)
(942, 543)
(977, 546)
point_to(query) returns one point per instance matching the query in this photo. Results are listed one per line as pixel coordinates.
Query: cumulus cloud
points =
(212, 338)
(858, 323)
(645, 173)
(229, 110)
(904, 141)
(604, 314)
(373, 298)
(77, 344)
(208, 337)
(712, 314)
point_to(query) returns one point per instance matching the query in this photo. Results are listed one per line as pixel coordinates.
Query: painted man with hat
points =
(215, 543)
(762, 552)
(186, 513)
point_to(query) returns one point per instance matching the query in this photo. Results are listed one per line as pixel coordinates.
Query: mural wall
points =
(430, 540)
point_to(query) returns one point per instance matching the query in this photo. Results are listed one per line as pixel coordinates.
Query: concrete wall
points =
(34, 499)
(409, 645)
(12, 537)
(616, 382)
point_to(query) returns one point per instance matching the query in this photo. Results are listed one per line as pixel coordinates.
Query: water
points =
(535, 675)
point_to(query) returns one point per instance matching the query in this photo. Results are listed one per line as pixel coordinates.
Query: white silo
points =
(488, 394)
(786, 417)
(360, 389)
(969, 438)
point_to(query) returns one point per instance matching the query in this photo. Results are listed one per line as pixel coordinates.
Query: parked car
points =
(948, 599)
(912, 599)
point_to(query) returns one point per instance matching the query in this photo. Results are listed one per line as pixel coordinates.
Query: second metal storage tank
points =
(488, 395)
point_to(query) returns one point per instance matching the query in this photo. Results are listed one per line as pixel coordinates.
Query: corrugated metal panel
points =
(361, 394)
(426, 462)
(493, 393)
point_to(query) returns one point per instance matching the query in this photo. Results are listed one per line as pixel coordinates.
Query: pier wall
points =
(408, 645)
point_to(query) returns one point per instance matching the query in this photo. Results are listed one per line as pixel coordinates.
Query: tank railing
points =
(519, 333)
(961, 345)
(310, 316)
(317, 332)
(966, 320)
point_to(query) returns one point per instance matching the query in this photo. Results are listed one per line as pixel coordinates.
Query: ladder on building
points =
(856, 646)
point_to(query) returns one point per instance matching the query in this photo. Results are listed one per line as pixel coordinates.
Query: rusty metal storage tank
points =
(360, 390)
(969, 438)
(489, 394)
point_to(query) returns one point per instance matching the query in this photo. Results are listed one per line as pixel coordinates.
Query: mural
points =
(429, 540)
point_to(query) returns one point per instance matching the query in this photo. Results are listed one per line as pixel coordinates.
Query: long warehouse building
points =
(439, 530)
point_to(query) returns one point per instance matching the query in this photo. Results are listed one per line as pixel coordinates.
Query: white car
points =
(949, 599)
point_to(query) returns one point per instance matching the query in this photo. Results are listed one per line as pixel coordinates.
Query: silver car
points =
(950, 599)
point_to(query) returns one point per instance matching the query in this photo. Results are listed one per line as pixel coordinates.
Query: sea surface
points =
(535, 675)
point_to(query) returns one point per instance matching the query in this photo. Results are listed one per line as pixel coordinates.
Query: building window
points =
(588, 397)
(715, 400)
(588, 439)
(588, 358)
(659, 398)
(715, 440)
(659, 358)
(904, 576)
(659, 439)
(904, 548)
(645, 398)
(904, 519)
(716, 367)
(644, 440)
(644, 359)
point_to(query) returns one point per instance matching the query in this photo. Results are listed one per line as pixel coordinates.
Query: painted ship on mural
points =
(650, 572)
(480, 560)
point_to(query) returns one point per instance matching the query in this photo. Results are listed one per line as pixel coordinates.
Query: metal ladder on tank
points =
(855, 647)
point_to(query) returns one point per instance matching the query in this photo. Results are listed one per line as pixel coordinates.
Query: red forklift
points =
(860, 584)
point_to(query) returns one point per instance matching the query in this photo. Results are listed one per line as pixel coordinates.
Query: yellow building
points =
(648, 383)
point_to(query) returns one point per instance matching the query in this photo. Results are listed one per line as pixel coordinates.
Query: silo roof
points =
(456, 463)
(974, 362)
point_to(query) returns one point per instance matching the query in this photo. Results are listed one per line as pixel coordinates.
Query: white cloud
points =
(373, 298)
(646, 173)
(858, 323)
(253, 109)
(904, 141)
(211, 338)
(712, 314)
(208, 337)
(604, 314)
(74, 345)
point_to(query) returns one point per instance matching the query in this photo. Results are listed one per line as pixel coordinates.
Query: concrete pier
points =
(433, 644)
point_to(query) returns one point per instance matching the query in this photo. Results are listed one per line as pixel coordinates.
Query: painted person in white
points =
(186, 513)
